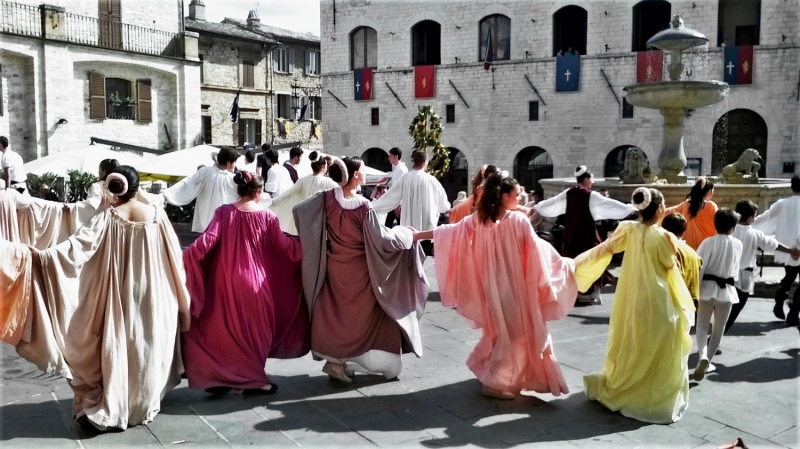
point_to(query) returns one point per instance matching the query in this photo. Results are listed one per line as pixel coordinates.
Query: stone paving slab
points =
(436, 402)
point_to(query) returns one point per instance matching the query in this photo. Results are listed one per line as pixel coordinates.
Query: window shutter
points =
(291, 60)
(241, 132)
(275, 60)
(97, 96)
(274, 109)
(207, 130)
(307, 57)
(144, 101)
(258, 133)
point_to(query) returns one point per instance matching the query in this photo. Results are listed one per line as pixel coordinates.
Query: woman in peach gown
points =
(699, 212)
(466, 207)
(507, 281)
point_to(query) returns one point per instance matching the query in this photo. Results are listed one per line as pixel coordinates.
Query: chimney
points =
(197, 10)
(253, 19)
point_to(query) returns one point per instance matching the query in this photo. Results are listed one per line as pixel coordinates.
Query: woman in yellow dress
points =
(645, 375)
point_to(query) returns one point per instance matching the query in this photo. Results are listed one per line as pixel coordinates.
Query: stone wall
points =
(17, 95)
(574, 128)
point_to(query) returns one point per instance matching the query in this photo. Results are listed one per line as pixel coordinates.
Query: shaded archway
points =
(531, 165)
(457, 178)
(734, 132)
(649, 17)
(377, 159)
(615, 161)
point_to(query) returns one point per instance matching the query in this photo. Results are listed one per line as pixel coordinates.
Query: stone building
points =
(511, 115)
(119, 70)
(261, 63)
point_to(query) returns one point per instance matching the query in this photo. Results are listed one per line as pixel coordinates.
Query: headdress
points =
(702, 181)
(319, 156)
(343, 167)
(504, 174)
(121, 179)
(645, 194)
(247, 176)
(581, 170)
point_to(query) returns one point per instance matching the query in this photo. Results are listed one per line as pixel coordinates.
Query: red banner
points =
(424, 81)
(649, 66)
(745, 69)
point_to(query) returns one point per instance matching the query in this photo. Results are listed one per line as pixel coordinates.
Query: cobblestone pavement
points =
(436, 401)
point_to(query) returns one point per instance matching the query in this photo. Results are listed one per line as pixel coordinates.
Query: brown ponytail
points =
(494, 187)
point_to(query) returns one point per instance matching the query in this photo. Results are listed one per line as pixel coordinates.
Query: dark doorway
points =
(531, 165)
(739, 22)
(457, 178)
(735, 132)
(426, 43)
(649, 17)
(615, 161)
(377, 159)
(569, 30)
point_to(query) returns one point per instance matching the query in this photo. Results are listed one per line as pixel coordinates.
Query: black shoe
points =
(793, 321)
(260, 391)
(778, 311)
(719, 351)
(218, 390)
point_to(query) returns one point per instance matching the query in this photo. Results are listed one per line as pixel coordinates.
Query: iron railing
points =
(26, 20)
(21, 19)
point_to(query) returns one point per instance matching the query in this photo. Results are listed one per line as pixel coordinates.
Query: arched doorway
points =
(531, 165)
(615, 161)
(457, 178)
(377, 159)
(735, 132)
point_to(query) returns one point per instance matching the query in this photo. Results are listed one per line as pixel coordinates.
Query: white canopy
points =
(86, 159)
(376, 177)
(176, 165)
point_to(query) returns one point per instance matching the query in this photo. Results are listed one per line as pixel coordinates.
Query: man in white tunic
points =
(278, 178)
(420, 195)
(13, 170)
(781, 221)
(583, 207)
(398, 169)
(211, 186)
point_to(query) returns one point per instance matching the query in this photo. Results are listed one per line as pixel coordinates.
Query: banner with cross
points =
(738, 65)
(362, 84)
(568, 73)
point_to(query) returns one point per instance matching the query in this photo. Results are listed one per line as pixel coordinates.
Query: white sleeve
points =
(553, 207)
(272, 181)
(766, 242)
(185, 191)
(768, 221)
(442, 204)
(391, 199)
(603, 208)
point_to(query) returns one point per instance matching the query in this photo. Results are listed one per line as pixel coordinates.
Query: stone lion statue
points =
(745, 169)
(635, 166)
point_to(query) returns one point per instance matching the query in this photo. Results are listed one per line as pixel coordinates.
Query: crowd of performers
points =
(101, 293)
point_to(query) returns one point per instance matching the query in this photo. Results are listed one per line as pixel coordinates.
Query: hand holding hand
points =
(795, 253)
(34, 253)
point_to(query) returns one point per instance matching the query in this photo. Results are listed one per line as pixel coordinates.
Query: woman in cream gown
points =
(305, 187)
(646, 374)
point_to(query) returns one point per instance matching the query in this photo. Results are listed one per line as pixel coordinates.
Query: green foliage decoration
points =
(79, 183)
(35, 182)
(426, 130)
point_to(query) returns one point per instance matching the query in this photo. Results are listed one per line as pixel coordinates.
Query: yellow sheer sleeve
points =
(590, 265)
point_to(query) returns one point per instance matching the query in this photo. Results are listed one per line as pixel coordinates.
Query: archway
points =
(531, 165)
(457, 178)
(377, 159)
(615, 161)
(736, 131)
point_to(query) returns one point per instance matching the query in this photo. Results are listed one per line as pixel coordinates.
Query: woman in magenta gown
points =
(243, 274)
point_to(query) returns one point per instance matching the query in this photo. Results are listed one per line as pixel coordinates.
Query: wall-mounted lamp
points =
(62, 121)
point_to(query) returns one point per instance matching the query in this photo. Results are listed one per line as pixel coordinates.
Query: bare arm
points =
(423, 235)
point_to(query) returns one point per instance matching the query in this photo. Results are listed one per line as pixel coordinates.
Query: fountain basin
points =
(676, 94)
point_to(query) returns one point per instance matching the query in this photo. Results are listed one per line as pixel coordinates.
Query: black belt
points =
(721, 282)
(18, 182)
(750, 269)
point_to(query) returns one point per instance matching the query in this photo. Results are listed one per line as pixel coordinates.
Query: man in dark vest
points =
(291, 165)
(583, 207)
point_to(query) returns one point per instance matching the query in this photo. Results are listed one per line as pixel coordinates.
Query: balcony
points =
(27, 20)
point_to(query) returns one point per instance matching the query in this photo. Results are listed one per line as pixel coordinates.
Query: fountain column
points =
(672, 159)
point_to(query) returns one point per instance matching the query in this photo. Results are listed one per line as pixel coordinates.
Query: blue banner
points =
(568, 73)
(731, 65)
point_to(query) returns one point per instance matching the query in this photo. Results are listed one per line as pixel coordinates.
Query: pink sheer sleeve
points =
(193, 259)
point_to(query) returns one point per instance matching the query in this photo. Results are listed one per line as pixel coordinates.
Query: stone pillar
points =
(54, 21)
(672, 159)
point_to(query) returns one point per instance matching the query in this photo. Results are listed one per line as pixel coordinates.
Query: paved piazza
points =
(436, 401)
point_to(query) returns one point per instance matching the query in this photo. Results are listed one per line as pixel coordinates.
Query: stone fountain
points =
(674, 98)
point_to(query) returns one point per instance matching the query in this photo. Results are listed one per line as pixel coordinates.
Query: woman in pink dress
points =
(243, 274)
(507, 281)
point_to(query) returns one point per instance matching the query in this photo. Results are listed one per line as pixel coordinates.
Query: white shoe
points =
(700, 371)
(711, 368)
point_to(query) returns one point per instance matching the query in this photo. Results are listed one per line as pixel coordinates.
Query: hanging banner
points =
(738, 65)
(424, 81)
(362, 84)
(649, 66)
(568, 73)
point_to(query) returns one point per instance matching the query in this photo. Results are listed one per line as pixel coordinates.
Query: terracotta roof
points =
(274, 32)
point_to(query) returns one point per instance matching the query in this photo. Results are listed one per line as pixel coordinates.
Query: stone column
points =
(672, 159)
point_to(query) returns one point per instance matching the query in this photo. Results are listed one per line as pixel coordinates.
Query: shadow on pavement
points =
(760, 370)
(591, 319)
(754, 329)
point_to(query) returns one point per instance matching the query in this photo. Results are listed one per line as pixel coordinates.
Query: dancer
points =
(467, 207)
(781, 220)
(721, 255)
(507, 281)
(210, 186)
(107, 166)
(583, 207)
(645, 376)
(247, 300)
(123, 275)
(699, 210)
(308, 185)
(364, 283)
(689, 262)
(294, 160)
(13, 168)
(278, 179)
(752, 240)
(398, 169)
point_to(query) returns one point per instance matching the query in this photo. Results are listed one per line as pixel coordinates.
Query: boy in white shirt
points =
(752, 239)
(721, 255)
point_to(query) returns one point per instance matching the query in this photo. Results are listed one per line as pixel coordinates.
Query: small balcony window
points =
(426, 43)
(120, 103)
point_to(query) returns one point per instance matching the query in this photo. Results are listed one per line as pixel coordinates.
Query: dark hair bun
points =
(239, 179)
(335, 172)
(638, 198)
(115, 186)
(313, 155)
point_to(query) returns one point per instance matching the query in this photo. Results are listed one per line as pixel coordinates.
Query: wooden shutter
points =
(248, 74)
(97, 96)
(241, 132)
(307, 57)
(258, 133)
(144, 101)
(276, 60)
(207, 129)
(290, 56)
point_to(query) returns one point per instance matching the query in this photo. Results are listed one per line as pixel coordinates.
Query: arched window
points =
(615, 161)
(363, 48)
(426, 43)
(735, 132)
(377, 159)
(649, 17)
(500, 28)
(531, 165)
(569, 30)
(739, 22)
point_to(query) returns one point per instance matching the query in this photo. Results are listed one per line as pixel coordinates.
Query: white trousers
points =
(720, 311)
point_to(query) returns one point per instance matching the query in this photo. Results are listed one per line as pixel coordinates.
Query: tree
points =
(426, 129)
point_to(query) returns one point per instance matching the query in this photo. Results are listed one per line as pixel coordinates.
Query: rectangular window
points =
(316, 108)
(248, 74)
(788, 167)
(119, 101)
(533, 111)
(206, 129)
(280, 60)
(247, 130)
(450, 113)
(627, 109)
(202, 69)
(312, 63)
(375, 116)
(284, 106)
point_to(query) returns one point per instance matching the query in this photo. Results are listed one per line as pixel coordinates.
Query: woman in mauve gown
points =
(243, 274)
